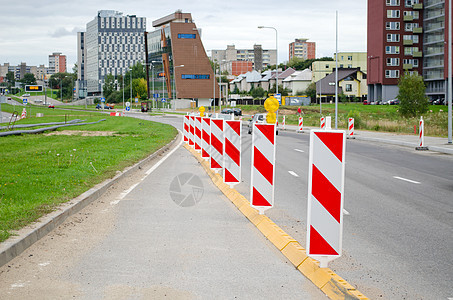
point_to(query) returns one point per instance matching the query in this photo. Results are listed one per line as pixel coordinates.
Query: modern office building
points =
(300, 48)
(81, 85)
(111, 44)
(259, 57)
(407, 36)
(177, 62)
(57, 63)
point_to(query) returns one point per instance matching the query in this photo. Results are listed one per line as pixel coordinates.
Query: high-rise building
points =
(406, 36)
(178, 64)
(259, 57)
(112, 44)
(300, 48)
(57, 63)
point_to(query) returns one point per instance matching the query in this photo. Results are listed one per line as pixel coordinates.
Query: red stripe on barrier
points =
(268, 131)
(216, 144)
(204, 153)
(259, 200)
(326, 194)
(332, 141)
(263, 166)
(206, 137)
(232, 152)
(236, 127)
(229, 177)
(214, 164)
(318, 244)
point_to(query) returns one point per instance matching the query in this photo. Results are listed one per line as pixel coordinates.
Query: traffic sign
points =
(102, 99)
(25, 101)
(163, 100)
(325, 194)
(128, 108)
(279, 98)
(128, 103)
(33, 88)
(136, 100)
(156, 95)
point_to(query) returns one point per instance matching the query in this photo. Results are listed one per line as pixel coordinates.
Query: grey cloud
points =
(60, 32)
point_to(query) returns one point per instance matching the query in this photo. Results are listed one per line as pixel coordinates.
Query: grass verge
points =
(39, 172)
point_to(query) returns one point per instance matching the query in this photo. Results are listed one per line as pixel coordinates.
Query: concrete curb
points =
(27, 236)
(325, 279)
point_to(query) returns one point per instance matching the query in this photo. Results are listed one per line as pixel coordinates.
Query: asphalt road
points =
(398, 229)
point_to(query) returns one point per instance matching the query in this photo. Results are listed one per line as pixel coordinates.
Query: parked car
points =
(227, 111)
(237, 111)
(260, 119)
(99, 106)
(365, 102)
(26, 95)
(51, 106)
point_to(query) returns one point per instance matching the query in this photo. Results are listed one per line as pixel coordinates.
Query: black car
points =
(105, 107)
(227, 111)
(237, 111)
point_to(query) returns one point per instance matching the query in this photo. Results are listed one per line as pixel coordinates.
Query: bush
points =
(358, 123)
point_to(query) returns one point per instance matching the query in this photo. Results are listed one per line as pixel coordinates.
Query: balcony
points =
(417, 54)
(417, 6)
(407, 66)
(408, 42)
(408, 18)
(418, 30)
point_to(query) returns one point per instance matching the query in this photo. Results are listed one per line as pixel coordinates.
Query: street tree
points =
(28, 79)
(109, 85)
(310, 91)
(413, 101)
(139, 88)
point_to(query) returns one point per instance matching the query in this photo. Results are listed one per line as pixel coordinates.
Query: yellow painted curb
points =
(325, 279)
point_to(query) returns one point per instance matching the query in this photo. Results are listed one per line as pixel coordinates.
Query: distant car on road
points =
(366, 102)
(51, 106)
(226, 111)
(99, 106)
(26, 95)
(237, 111)
(260, 119)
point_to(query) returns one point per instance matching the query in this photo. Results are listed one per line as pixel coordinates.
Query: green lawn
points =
(38, 172)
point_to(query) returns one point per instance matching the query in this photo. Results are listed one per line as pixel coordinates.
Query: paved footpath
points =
(174, 236)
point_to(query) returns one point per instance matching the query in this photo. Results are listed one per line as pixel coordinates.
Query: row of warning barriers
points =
(219, 142)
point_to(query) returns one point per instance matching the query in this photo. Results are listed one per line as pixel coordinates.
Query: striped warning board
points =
(186, 129)
(205, 138)
(232, 155)
(325, 194)
(323, 122)
(217, 138)
(191, 130)
(351, 127)
(197, 136)
(263, 171)
(301, 124)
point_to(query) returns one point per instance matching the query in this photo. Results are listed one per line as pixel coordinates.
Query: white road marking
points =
(298, 150)
(293, 173)
(44, 264)
(346, 212)
(115, 202)
(405, 179)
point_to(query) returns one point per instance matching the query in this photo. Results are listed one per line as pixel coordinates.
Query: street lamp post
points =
(276, 52)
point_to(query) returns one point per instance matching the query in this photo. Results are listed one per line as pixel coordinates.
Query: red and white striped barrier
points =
(115, 114)
(284, 123)
(263, 171)
(217, 140)
(301, 124)
(421, 132)
(186, 128)
(328, 123)
(197, 137)
(325, 195)
(232, 155)
(205, 138)
(24, 114)
(191, 130)
(351, 127)
(323, 123)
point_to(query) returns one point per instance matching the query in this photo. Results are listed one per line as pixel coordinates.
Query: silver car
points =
(260, 119)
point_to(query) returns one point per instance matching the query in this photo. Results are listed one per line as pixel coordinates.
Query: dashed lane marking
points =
(298, 150)
(346, 212)
(405, 179)
(293, 173)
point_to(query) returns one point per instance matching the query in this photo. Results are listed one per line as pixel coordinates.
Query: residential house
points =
(298, 81)
(351, 82)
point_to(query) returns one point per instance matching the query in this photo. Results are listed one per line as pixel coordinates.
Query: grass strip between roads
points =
(39, 172)
(325, 279)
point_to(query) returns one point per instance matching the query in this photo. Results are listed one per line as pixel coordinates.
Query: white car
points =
(260, 119)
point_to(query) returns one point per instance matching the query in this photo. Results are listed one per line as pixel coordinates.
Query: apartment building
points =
(259, 57)
(111, 44)
(303, 49)
(177, 61)
(405, 36)
(57, 63)
(348, 60)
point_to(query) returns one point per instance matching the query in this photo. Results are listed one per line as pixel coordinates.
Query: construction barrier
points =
(232, 155)
(263, 171)
(205, 138)
(191, 130)
(24, 114)
(186, 128)
(325, 195)
(421, 135)
(197, 137)
(284, 123)
(323, 122)
(301, 124)
(351, 127)
(217, 139)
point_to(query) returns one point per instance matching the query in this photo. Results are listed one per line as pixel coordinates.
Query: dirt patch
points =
(82, 133)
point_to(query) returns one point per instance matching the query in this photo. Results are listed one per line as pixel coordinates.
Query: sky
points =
(32, 30)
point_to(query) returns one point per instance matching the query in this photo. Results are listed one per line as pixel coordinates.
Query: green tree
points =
(139, 88)
(310, 91)
(109, 85)
(413, 101)
(10, 78)
(28, 79)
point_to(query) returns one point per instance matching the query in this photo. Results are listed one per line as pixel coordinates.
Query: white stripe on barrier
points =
(232, 152)
(197, 137)
(206, 138)
(217, 140)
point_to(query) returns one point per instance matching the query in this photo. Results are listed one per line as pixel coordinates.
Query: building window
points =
(393, 2)
(349, 57)
(410, 26)
(414, 14)
(393, 61)
(392, 25)
(393, 13)
(194, 76)
(393, 37)
(348, 87)
(392, 49)
(392, 73)
(186, 36)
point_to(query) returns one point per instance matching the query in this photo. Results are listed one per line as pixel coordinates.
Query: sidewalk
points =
(433, 143)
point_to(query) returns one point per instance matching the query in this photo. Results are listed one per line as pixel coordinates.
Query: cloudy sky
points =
(31, 30)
